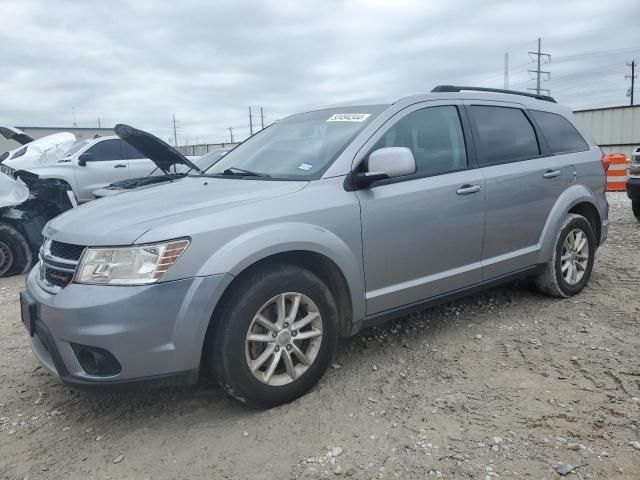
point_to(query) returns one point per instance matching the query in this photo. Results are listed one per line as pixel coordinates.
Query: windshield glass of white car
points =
(300, 147)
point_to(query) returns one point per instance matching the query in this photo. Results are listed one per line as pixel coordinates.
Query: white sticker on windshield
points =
(305, 166)
(348, 117)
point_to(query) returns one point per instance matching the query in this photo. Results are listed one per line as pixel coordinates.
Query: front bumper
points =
(633, 188)
(155, 332)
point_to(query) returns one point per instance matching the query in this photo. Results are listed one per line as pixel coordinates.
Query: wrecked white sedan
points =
(27, 203)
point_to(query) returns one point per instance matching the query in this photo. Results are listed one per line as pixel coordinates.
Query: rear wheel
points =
(15, 254)
(274, 336)
(569, 268)
(635, 207)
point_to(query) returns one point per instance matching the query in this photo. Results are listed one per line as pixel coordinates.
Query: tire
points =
(635, 207)
(553, 280)
(15, 253)
(229, 351)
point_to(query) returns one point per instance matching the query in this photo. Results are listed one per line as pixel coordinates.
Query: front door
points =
(422, 235)
(107, 166)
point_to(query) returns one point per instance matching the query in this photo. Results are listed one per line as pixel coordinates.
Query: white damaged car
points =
(35, 152)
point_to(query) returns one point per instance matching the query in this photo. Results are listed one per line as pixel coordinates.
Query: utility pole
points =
(539, 73)
(175, 132)
(250, 122)
(98, 122)
(506, 71)
(231, 134)
(73, 110)
(632, 77)
(261, 118)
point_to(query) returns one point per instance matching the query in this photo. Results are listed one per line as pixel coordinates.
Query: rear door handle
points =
(551, 173)
(468, 189)
(120, 165)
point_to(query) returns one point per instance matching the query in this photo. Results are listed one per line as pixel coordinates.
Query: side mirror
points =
(384, 163)
(84, 158)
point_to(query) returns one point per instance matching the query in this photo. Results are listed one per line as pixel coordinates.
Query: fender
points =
(572, 196)
(254, 245)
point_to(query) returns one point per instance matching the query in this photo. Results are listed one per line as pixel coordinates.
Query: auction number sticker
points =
(348, 117)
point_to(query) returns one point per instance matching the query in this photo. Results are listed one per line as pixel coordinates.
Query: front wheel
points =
(15, 253)
(635, 207)
(569, 268)
(274, 336)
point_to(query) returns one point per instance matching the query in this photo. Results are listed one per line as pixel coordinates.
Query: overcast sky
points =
(141, 61)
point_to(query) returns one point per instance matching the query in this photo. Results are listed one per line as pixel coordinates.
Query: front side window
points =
(106, 150)
(505, 134)
(434, 136)
(561, 136)
(300, 147)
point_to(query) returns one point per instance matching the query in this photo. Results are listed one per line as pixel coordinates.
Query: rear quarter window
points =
(560, 134)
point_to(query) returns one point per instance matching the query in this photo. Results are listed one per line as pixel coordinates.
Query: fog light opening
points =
(96, 361)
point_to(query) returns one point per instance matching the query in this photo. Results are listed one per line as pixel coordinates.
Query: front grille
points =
(67, 251)
(58, 263)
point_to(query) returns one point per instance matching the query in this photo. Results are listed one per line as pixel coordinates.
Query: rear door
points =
(422, 234)
(107, 167)
(523, 182)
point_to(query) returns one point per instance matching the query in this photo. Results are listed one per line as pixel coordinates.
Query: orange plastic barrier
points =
(617, 172)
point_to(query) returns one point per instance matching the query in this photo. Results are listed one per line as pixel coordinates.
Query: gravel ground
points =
(505, 384)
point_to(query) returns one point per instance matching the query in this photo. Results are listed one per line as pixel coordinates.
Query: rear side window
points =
(505, 134)
(560, 134)
(434, 136)
(129, 152)
(106, 150)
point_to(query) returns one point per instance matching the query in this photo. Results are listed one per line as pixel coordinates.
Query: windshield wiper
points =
(243, 172)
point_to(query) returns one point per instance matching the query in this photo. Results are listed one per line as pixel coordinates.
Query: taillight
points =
(606, 162)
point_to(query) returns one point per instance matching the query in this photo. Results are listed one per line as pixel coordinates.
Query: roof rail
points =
(454, 88)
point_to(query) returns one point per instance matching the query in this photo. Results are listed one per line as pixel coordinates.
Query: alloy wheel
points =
(574, 257)
(283, 339)
(6, 258)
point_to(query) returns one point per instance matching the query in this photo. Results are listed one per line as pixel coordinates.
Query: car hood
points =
(42, 151)
(15, 134)
(158, 151)
(122, 219)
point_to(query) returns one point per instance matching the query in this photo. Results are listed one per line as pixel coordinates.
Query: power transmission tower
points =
(506, 71)
(250, 122)
(632, 77)
(231, 134)
(261, 118)
(539, 73)
(175, 131)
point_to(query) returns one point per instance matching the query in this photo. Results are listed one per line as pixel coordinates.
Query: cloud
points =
(140, 62)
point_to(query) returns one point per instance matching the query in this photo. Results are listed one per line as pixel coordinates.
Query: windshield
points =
(76, 147)
(300, 147)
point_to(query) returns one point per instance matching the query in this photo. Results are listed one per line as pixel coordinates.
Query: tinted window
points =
(106, 150)
(559, 133)
(129, 152)
(505, 134)
(434, 136)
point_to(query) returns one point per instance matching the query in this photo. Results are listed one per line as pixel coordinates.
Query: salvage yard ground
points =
(505, 384)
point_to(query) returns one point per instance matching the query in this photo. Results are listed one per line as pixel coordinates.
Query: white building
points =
(615, 129)
(39, 132)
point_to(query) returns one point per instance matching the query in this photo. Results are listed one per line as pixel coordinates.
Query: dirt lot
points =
(505, 384)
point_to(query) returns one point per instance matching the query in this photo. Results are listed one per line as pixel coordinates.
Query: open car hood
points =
(15, 134)
(158, 151)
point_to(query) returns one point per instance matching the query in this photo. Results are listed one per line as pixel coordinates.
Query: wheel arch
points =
(576, 199)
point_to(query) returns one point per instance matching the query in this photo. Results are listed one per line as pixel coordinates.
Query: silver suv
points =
(323, 224)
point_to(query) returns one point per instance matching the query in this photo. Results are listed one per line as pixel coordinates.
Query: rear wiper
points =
(243, 172)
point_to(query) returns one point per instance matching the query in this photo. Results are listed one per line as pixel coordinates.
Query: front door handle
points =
(468, 189)
(120, 165)
(551, 173)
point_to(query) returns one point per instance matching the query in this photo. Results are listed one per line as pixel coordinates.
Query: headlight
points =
(137, 265)
(20, 152)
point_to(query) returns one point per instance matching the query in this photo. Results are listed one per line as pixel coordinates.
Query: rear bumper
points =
(155, 332)
(633, 188)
